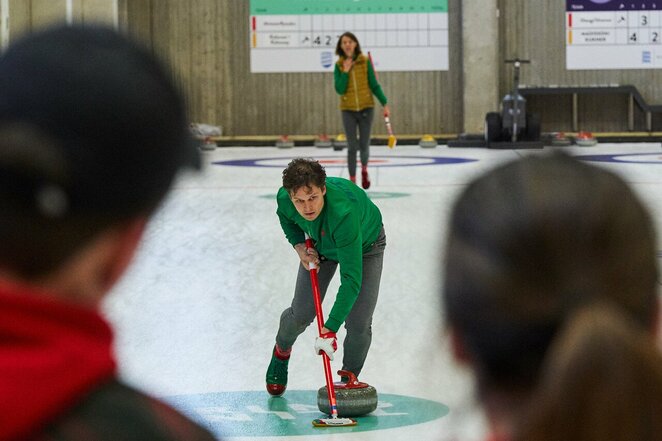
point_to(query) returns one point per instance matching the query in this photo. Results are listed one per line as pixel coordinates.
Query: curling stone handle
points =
(352, 381)
(350, 375)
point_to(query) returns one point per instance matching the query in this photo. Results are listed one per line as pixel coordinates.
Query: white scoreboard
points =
(301, 35)
(613, 34)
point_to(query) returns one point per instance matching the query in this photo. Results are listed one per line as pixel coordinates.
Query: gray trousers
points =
(361, 120)
(295, 319)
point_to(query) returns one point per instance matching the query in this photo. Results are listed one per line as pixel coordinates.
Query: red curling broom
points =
(392, 141)
(334, 421)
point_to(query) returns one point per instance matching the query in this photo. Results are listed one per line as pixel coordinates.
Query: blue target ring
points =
(335, 161)
(632, 158)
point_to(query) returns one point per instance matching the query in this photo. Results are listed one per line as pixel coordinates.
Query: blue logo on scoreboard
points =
(326, 58)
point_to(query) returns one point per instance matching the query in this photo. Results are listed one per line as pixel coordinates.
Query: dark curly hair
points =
(339, 50)
(303, 172)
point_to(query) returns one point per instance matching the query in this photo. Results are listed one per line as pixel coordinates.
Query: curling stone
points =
(427, 142)
(323, 141)
(353, 398)
(284, 142)
(561, 140)
(340, 142)
(585, 139)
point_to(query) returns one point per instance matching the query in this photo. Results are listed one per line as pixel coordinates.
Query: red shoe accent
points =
(353, 179)
(282, 355)
(365, 180)
(276, 390)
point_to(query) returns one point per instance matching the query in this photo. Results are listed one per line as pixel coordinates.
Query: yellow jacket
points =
(357, 86)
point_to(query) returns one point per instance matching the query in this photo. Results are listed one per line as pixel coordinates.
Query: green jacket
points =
(357, 86)
(346, 228)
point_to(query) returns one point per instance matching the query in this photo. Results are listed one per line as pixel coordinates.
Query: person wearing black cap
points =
(92, 135)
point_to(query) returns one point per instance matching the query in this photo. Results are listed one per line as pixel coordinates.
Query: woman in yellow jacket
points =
(356, 82)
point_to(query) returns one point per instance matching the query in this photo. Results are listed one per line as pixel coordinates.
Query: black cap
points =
(103, 115)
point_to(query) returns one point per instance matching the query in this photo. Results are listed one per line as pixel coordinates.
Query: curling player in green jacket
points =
(346, 228)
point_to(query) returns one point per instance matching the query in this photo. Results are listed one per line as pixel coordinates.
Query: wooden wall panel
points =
(205, 36)
(30, 15)
(136, 19)
(96, 11)
(177, 40)
(225, 54)
(19, 18)
(47, 12)
(4, 24)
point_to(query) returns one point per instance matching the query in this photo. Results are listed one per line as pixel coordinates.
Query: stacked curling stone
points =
(284, 142)
(323, 141)
(340, 142)
(585, 139)
(561, 140)
(427, 142)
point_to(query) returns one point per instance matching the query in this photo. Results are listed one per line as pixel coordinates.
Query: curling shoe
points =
(277, 374)
(365, 179)
(353, 179)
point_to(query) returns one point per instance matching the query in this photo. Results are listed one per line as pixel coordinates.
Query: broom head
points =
(334, 422)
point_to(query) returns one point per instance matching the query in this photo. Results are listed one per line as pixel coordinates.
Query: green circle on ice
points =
(255, 413)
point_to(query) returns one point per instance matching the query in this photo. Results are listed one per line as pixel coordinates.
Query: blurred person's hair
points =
(537, 250)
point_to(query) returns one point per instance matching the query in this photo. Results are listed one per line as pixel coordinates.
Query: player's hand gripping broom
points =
(392, 141)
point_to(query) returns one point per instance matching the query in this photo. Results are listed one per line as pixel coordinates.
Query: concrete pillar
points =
(480, 63)
(4, 24)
